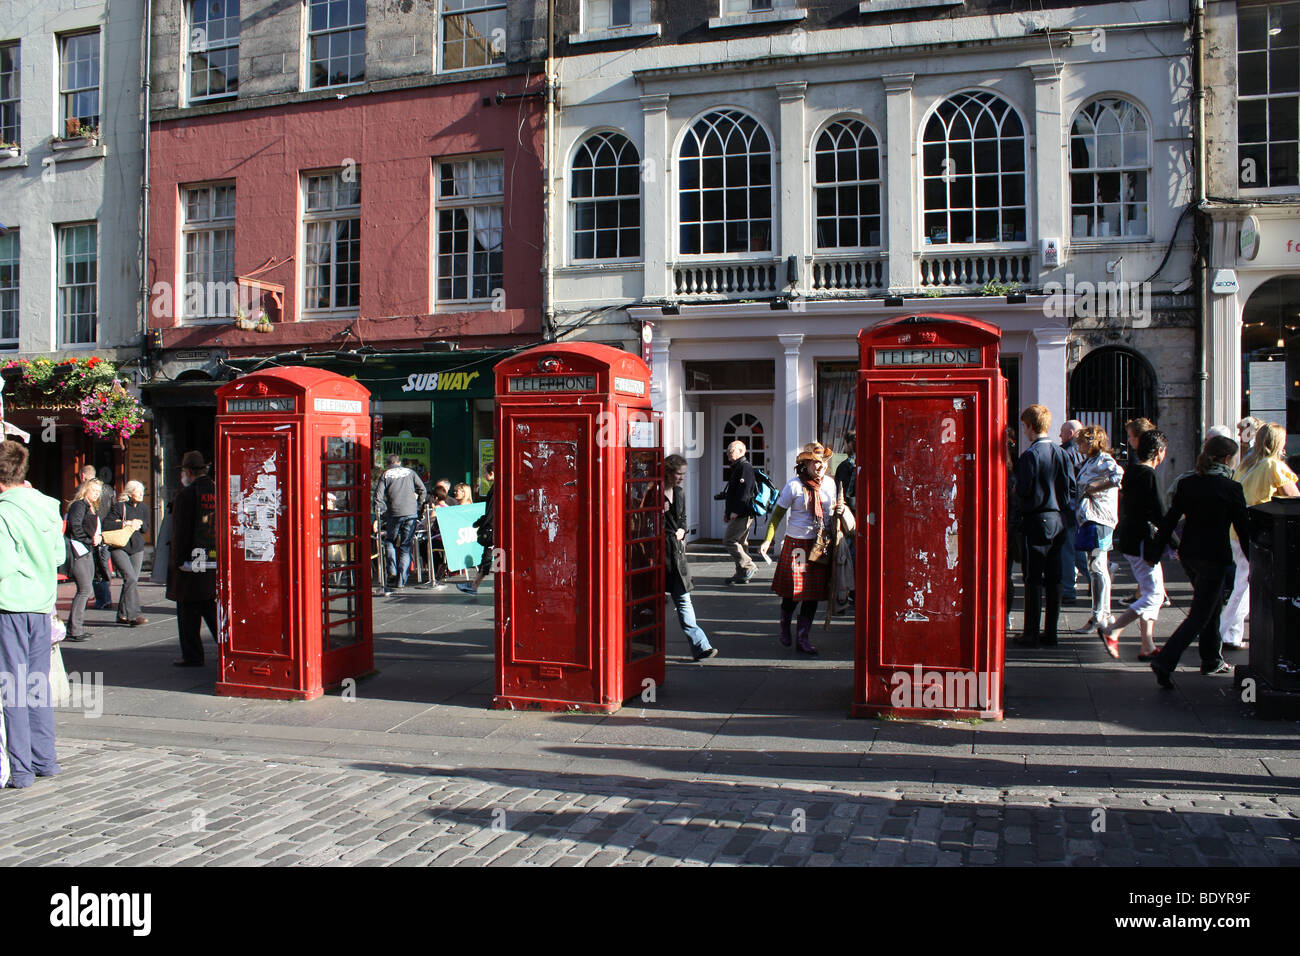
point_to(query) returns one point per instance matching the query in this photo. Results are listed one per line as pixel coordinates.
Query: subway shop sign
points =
(439, 381)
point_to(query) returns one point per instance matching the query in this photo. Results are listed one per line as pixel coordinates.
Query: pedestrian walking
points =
(677, 570)
(1096, 506)
(129, 513)
(1264, 475)
(1071, 557)
(192, 578)
(803, 573)
(1140, 514)
(103, 583)
(486, 532)
(399, 499)
(737, 497)
(31, 549)
(1211, 500)
(1045, 487)
(84, 535)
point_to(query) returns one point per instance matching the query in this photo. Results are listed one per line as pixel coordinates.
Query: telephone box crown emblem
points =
(927, 337)
(260, 388)
(549, 364)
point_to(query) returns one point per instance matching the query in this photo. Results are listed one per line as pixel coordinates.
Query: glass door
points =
(344, 509)
(643, 537)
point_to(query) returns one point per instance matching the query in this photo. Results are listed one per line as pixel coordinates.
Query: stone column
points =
(655, 190)
(1050, 374)
(901, 232)
(792, 181)
(789, 393)
(1047, 165)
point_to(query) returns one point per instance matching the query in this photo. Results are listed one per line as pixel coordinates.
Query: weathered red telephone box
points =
(293, 522)
(579, 528)
(931, 548)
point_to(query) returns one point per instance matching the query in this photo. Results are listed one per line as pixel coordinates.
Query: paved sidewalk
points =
(747, 758)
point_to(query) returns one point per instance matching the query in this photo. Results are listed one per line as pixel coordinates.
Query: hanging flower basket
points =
(111, 412)
(40, 382)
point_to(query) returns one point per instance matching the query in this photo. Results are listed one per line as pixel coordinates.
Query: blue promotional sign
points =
(459, 536)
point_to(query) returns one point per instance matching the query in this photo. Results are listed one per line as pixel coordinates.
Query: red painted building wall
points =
(394, 138)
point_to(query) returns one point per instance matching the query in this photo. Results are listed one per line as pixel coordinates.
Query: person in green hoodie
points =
(31, 549)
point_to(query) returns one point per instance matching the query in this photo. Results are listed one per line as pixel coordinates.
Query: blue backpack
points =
(764, 494)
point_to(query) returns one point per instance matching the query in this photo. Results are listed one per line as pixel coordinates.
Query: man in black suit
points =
(1045, 486)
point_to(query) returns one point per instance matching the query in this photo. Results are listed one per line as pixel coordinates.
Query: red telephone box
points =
(293, 522)
(931, 547)
(579, 521)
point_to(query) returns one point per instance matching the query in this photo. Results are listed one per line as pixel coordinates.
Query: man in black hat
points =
(192, 581)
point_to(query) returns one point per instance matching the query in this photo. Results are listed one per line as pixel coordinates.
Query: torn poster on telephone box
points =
(257, 512)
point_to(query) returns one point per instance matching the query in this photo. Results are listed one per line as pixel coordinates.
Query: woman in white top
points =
(1097, 508)
(809, 501)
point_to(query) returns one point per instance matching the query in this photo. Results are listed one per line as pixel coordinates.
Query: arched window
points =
(725, 171)
(973, 165)
(605, 191)
(847, 194)
(1109, 165)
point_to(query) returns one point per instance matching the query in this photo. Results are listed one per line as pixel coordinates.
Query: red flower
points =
(93, 361)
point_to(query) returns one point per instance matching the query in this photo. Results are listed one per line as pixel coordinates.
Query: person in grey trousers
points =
(741, 486)
(399, 499)
(129, 511)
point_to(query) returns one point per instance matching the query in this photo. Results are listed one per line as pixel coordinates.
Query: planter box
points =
(10, 152)
(75, 142)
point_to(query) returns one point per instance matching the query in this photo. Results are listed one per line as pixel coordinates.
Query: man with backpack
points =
(739, 496)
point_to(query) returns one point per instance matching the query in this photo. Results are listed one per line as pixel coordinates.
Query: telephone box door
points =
(549, 638)
(259, 466)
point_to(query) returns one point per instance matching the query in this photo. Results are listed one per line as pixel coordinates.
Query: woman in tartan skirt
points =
(809, 500)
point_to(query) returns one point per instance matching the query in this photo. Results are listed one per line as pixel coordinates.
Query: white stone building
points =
(753, 202)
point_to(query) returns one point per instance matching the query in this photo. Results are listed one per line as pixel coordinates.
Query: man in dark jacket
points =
(192, 581)
(1069, 554)
(741, 487)
(399, 499)
(1044, 487)
(677, 576)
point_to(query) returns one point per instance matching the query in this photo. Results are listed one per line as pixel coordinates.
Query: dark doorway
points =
(1111, 386)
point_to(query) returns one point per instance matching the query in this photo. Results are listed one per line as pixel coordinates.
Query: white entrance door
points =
(750, 423)
(692, 442)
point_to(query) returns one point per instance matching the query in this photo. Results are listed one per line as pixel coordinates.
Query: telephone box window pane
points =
(341, 474)
(343, 554)
(642, 524)
(643, 617)
(340, 449)
(641, 587)
(340, 528)
(641, 555)
(641, 464)
(342, 501)
(341, 635)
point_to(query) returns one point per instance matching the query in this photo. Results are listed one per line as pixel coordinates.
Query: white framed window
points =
(213, 41)
(209, 291)
(1268, 96)
(331, 244)
(78, 245)
(846, 194)
(11, 107)
(336, 42)
(741, 13)
(973, 171)
(79, 80)
(470, 199)
(612, 14)
(9, 247)
(725, 185)
(1110, 163)
(473, 34)
(734, 8)
(605, 194)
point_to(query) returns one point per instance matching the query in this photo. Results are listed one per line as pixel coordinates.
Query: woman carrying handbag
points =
(803, 574)
(124, 533)
(83, 532)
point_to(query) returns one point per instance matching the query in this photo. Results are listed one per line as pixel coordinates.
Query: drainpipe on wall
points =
(548, 248)
(1201, 264)
(146, 88)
